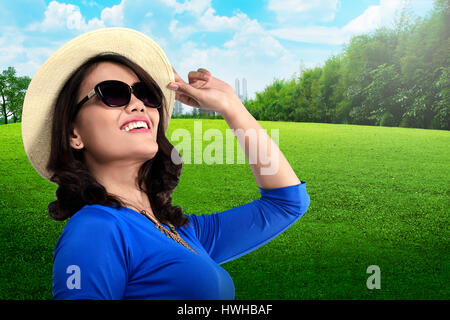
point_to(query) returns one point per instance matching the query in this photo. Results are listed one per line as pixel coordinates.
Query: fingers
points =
(197, 79)
(199, 75)
(204, 71)
(189, 93)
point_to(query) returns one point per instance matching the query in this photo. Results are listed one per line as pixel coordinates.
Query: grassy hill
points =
(379, 196)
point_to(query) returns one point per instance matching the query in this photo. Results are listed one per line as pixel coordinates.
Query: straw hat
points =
(46, 84)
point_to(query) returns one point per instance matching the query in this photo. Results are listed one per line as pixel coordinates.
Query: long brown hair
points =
(157, 177)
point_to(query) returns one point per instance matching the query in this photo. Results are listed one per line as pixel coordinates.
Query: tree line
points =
(394, 76)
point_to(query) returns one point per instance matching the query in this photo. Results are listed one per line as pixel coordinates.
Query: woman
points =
(112, 162)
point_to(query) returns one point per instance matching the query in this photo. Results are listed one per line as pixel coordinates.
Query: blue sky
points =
(258, 40)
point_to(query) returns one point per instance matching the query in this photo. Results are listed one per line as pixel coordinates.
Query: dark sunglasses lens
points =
(149, 97)
(114, 93)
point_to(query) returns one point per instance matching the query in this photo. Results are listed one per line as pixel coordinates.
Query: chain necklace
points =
(172, 233)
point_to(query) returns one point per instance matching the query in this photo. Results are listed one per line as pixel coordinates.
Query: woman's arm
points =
(269, 166)
(230, 234)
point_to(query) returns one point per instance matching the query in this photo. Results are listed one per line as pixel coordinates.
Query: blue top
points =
(108, 253)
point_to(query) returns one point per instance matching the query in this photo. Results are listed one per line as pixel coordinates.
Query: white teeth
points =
(135, 124)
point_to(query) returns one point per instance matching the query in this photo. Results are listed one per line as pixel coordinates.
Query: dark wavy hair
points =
(157, 177)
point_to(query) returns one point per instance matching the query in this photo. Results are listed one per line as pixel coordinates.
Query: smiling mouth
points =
(136, 126)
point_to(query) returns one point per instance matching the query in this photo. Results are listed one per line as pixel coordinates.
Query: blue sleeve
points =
(90, 260)
(233, 233)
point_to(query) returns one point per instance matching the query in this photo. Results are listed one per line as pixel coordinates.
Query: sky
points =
(257, 40)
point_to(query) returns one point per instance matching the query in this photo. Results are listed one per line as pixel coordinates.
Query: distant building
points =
(243, 97)
(177, 108)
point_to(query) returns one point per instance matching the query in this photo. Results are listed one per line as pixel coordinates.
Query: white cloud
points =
(180, 33)
(113, 16)
(210, 22)
(194, 6)
(372, 18)
(11, 42)
(296, 10)
(61, 16)
(248, 54)
(312, 34)
(206, 20)
(15, 52)
(253, 40)
(375, 16)
(58, 19)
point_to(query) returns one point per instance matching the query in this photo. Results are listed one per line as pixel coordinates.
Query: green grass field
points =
(379, 196)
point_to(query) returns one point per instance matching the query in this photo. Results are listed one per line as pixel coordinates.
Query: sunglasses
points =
(115, 93)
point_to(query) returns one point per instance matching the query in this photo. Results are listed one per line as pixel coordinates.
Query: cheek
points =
(96, 130)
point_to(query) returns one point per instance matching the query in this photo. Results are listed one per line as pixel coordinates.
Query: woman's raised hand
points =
(204, 91)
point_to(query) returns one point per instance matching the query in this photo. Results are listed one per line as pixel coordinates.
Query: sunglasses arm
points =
(89, 95)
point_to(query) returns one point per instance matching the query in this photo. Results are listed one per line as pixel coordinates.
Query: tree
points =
(381, 95)
(442, 108)
(330, 92)
(12, 94)
(309, 89)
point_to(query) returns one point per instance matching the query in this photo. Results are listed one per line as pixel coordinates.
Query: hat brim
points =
(48, 81)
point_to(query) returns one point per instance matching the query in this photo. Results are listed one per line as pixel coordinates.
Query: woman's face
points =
(99, 127)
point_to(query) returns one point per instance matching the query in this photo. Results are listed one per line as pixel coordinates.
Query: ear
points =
(75, 139)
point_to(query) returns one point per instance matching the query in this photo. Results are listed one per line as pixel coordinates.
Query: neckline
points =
(133, 210)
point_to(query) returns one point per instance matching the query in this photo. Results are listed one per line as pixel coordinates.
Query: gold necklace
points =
(172, 233)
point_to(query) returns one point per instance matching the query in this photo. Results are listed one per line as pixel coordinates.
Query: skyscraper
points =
(177, 108)
(243, 96)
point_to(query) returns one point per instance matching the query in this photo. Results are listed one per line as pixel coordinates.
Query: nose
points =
(135, 104)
